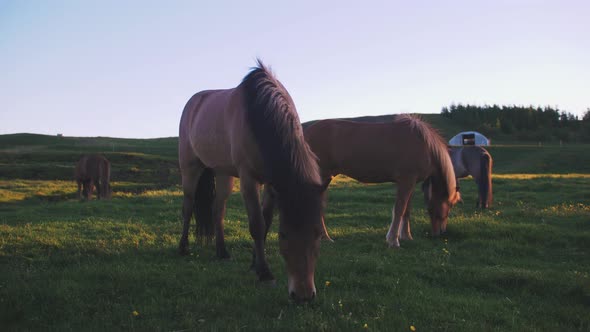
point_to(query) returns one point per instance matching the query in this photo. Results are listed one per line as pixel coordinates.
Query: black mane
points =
(273, 120)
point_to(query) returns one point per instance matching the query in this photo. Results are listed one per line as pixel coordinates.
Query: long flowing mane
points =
(274, 122)
(438, 148)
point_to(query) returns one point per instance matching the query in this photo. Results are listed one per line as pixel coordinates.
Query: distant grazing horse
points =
(477, 162)
(253, 132)
(93, 171)
(404, 151)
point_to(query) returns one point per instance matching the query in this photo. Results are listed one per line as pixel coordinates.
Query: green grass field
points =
(523, 265)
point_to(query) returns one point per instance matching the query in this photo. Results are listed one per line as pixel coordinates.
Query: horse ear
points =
(325, 235)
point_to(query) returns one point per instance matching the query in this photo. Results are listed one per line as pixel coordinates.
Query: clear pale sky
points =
(126, 68)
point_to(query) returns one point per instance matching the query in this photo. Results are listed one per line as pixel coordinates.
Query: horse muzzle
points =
(302, 291)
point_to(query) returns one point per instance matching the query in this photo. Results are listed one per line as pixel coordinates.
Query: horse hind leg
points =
(224, 186)
(190, 180)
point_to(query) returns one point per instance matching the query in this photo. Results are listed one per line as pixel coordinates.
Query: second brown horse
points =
(405, 151)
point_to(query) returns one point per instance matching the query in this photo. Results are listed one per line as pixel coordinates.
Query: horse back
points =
(368, 152)
(93, 167)
(474, 159)
(213, 132)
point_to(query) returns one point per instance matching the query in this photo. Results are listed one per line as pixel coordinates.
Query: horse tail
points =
(485, 186)
(203, 207)
(274, 123)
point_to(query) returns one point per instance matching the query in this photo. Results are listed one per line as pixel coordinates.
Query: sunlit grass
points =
(537, 176)
(568, 209)
(124, 251)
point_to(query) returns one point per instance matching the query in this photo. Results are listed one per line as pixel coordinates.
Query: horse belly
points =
(383, 164)
(368, 170)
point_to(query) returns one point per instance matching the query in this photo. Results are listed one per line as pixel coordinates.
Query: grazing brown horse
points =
(477, 162)
(93, 171)
(404, 151)
(253, 132)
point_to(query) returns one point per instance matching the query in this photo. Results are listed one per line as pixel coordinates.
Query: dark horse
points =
(93, 171)
(477, 162)
(252, 132)
(404, 151)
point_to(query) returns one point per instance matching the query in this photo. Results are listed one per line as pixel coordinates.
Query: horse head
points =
(439, 204)
(301, 230)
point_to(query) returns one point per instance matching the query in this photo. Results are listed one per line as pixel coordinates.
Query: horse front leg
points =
(268, 206)
(87, 190)
(404, 193)
(250, 192)
(406, 233)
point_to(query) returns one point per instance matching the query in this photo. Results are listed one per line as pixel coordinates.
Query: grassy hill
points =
(113, 265)
(42, 157)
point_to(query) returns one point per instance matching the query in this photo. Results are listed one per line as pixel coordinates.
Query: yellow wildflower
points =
(365, 326)
(328, 283)
(135, 313)
(412, 328)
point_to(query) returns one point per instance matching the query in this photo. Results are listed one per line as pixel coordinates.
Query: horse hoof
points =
(407, 237)
(393, 244)
(272, 283)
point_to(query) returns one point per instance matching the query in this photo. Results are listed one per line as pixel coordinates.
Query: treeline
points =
(539, 124)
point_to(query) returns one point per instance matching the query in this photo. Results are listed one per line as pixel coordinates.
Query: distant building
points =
(469, 138)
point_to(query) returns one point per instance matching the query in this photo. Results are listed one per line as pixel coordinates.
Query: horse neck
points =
(445, 173)
(299, 200)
